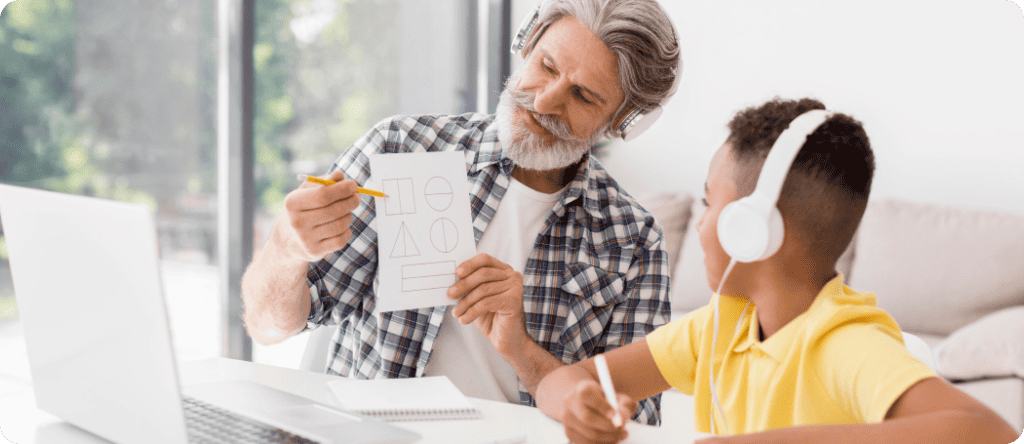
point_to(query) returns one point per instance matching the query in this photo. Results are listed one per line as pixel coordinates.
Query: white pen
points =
(609, 389)
(516, 439)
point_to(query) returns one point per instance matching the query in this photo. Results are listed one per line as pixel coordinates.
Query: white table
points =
(22, 423)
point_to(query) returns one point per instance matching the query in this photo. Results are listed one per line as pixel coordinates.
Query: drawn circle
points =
(443, 235)
(438, 193)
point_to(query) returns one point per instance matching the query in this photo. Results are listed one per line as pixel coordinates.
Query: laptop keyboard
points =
(207, 423)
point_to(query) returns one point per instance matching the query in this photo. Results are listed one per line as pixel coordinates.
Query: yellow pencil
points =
(360, 190)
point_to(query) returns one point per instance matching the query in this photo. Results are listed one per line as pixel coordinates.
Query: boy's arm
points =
(573, 395)
(930, 411)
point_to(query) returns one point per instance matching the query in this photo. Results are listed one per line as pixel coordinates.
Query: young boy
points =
(800, 357)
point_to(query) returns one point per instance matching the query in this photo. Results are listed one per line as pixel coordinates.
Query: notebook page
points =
(433, 397)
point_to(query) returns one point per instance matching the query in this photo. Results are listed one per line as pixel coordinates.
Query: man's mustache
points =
(561, 130)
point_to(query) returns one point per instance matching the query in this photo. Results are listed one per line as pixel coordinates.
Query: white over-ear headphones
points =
(750, 229)
(636, 121)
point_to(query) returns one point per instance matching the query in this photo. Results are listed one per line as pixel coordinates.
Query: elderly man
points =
(569, 265)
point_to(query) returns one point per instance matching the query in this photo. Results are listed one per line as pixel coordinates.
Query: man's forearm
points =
(944, 427)
(275, 294)
(532, 363)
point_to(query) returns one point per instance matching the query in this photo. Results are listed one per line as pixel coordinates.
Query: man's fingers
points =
(477, 295)
(474, 263)
(479, 277)
(480, 308)
(332, 244)
(332, 228)
(312, 196)
(329, 194)
(331, 213)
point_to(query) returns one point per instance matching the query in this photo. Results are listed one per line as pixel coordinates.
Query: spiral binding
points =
(422, 414)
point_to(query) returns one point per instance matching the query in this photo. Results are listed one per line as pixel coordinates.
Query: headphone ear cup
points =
(743, 231)
(633, 126)
(776, 232)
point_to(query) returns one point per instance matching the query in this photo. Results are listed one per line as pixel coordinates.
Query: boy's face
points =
(719, 191)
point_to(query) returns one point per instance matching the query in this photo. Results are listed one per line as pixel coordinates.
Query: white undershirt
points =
(462, 352)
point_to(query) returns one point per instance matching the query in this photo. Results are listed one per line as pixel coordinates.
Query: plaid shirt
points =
(597, 277)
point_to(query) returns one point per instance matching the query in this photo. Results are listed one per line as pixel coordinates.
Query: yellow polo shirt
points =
(842, 361)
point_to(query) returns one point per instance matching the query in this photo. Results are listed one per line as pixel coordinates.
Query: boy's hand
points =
(588, 417)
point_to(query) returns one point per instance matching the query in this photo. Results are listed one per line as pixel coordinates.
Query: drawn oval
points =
(438, 193)
(443, 235)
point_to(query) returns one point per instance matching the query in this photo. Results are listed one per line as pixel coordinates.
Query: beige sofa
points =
(954, 278)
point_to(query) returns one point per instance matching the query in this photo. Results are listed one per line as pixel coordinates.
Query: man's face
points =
(719, 191)
(558, 105)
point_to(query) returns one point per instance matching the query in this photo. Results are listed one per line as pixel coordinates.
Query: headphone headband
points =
(784, 151)
(751, 229)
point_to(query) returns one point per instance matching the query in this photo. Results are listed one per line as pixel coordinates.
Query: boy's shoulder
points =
(842, 316)
(838, 305)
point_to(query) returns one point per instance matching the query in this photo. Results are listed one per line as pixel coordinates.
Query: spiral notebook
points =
(407, 399)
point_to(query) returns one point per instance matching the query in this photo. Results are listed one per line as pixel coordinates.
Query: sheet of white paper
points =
(424, 228)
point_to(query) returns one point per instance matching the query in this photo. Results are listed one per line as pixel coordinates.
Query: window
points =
(117, 100)
(327, 70)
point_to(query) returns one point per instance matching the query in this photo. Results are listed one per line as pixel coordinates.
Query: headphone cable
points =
(714, 343)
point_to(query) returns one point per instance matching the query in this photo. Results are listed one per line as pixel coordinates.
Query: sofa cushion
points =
(690, 289)
(845, 261)
(672, 210)
(931, 340)
(992, 346)
(936, 269)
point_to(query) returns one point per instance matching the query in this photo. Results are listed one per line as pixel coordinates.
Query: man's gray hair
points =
(640, 35)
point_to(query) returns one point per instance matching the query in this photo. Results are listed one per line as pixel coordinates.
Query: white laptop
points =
(87, 280)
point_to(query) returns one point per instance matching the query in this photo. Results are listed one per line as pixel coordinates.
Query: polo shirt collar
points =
(779, 344)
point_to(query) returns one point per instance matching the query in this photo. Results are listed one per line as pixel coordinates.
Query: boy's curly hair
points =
(826, 191)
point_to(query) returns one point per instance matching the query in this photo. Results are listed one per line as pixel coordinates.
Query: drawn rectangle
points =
(428, 269)
(428, 282)
(428, 276)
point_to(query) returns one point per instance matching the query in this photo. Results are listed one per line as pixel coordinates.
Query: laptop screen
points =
(87, 280)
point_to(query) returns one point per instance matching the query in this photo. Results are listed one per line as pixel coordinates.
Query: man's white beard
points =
(528, 150)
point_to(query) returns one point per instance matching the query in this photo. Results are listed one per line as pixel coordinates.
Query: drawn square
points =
(401, 199)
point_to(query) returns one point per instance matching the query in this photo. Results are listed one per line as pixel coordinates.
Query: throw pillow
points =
(992, 346)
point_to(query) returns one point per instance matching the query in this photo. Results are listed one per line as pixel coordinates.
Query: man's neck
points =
(545, 181)
(782, 293)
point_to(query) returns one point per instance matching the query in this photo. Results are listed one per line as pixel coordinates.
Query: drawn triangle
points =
(404, 245)
(410, 246)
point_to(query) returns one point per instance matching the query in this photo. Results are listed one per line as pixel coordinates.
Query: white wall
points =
(937, 84)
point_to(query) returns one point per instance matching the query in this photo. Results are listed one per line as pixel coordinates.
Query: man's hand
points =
(318, 218)
(588, 417)
(491, 295)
